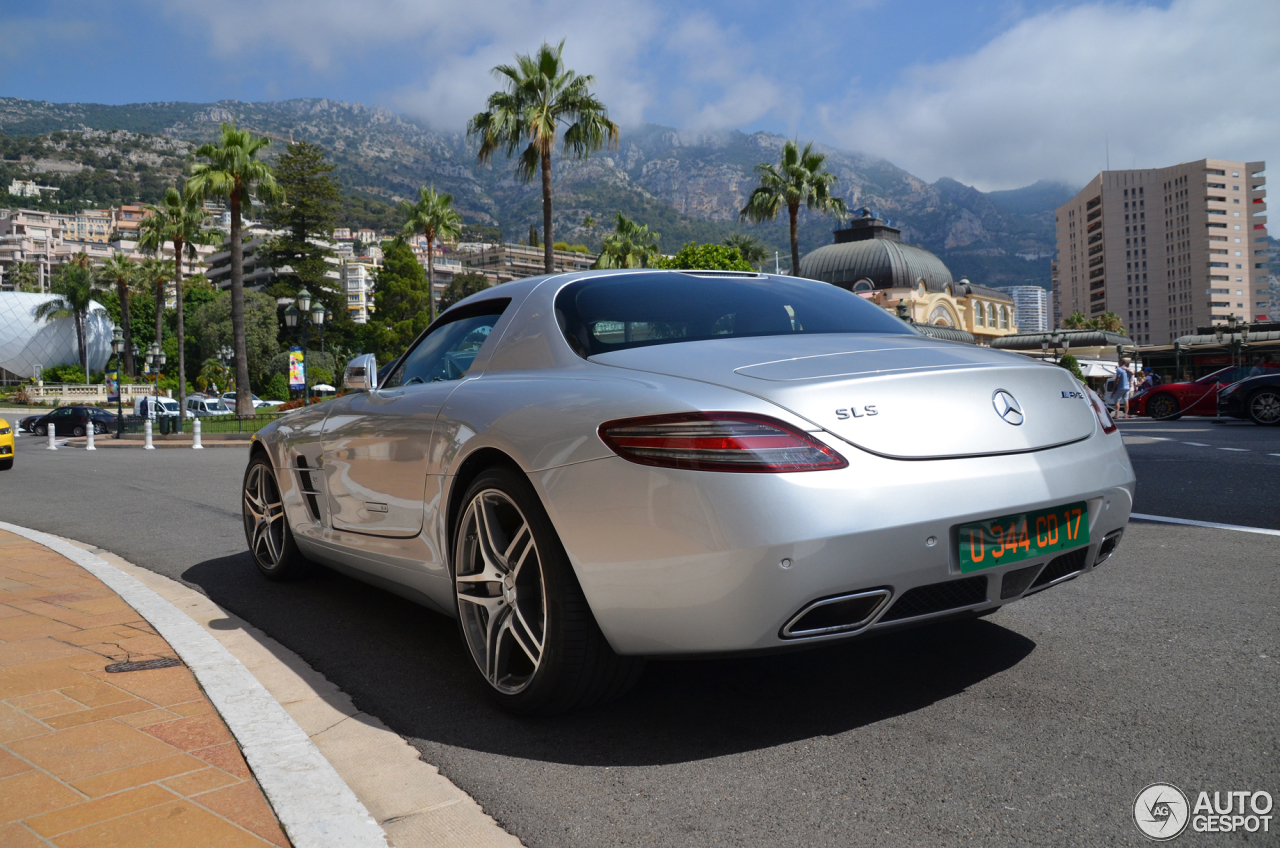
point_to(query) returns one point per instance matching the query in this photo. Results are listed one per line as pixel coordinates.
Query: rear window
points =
(602, 314)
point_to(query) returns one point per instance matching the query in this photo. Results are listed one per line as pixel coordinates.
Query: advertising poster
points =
(113, 387)
(297, 370)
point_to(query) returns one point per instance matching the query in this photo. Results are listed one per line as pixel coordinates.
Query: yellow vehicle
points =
(6, 445)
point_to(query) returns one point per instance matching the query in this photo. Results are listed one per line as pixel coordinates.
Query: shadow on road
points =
(407, 666)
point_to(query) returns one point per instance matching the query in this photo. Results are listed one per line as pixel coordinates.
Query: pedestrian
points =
(1121, 393)
(1149, 379)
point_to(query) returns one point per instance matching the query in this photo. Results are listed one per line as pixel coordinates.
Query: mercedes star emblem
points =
(1007, 407)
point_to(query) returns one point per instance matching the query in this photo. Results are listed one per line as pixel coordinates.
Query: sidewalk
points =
(134, 755)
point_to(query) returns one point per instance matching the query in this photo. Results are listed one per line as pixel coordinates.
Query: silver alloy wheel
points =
(1265, 408)
(499, 584)
(264, 516)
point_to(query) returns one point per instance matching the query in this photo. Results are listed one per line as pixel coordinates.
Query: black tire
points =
(1264, 407)
(42, 430)
(6, 464)
(1164, 407)
(266, 527)
(575, 667)
(78, 430)
(99, 428)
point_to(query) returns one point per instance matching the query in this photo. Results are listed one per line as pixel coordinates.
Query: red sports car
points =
(1171, 401)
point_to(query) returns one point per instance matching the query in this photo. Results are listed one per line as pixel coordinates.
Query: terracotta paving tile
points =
(34, 650)
(57, 708)
(17, 836)
(114, 633)
(143, 643)
(15, 725)
(178, 823)
(62, 599)
(92, 606)
(90, 749)
(160, 686)
(99, 810)
(205, 780)
(31, 794)
(149, 717)
(226, 757)
(38, 677)
(125, 778)
(191, 733)
(133, 705)
(109, 651)
(93, 693)
(6, 584)
(11, 765)
(193, 708)
(19, 627)
(244, 805)
(36, 699)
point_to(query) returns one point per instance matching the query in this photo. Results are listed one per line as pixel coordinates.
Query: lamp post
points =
(117, 347)
(903, 311)
(1056, 338)
(1177, 360)
(308, 315)
(155, 361)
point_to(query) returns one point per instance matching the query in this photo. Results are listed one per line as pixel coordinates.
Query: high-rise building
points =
(1031, 309)
(1166, 249)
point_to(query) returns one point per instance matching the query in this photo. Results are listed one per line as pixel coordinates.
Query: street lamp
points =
(308, 315)
(117, 347)
(155, 361)
(136, 352)
(903, 312)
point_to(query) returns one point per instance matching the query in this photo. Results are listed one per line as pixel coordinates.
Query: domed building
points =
(870, 259)
(27, 342)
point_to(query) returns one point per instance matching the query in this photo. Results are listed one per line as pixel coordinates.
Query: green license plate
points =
(1026, 535)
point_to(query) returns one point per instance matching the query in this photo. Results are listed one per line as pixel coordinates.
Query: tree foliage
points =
(212, 328)
(542, 96)
(307, 212)
(630, 245)
(749, 247)
(1069, 362)
(401, 301)
(462, 286)
(433, 216)
(705, 257)
(1107, 321)
(73, 287)
(798, 180)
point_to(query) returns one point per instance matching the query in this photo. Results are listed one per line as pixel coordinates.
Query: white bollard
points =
(89, 444)
(146, 427)
(52, 428)
(195, 436)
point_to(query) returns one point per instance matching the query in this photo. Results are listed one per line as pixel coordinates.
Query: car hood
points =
(906, 397)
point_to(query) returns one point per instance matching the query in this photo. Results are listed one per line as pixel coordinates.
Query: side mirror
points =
(361, 373)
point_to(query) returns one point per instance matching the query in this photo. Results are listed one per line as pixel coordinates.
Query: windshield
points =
(602, 314)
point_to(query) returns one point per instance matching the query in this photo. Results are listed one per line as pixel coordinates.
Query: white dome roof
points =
(26, 342)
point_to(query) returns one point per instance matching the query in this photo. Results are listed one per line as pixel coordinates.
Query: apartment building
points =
(88, 226)
(1166, 249)
(127, 219)
(514, 261)
(30, 236)
(358, 280)
(1031, 308)
(29, 188)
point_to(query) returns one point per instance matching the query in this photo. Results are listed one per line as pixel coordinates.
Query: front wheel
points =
(266, 527)
(6, 464)
(1164, 407)
(78, 430)
(42, 430)
(525, 621)
(1264, 408)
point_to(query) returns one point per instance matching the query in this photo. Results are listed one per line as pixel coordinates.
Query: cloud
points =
(1043, 99)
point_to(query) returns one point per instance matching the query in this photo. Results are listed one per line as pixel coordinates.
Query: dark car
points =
(70, 421)
(1256, 398)
(1171, 401)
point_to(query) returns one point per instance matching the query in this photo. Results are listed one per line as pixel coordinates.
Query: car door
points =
(1206, 396)
(376, 444)
(61, 421)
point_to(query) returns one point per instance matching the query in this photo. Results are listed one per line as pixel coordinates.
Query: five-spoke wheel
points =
(266, 527)
(1164, 407)
(521, 610)
(1264, 407)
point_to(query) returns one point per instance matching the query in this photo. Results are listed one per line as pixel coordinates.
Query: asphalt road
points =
(1038, 725)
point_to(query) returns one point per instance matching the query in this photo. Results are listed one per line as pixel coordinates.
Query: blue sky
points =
(996, 94)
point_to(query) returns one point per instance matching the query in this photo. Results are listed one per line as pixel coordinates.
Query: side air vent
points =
(309, 490)
(939, 597)
(838, 614)
(1060, 568)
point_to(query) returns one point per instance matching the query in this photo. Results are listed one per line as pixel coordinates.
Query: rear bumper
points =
(682, 562)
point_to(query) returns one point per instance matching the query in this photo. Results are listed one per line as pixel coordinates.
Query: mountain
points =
(687, 187)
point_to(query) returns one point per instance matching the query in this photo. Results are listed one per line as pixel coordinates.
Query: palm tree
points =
(24, 277)
(122, 271)
(73, 289)
(177, 220)
(156, 273)
(541, 96)
(799, 179)
(433, 216)
(749, 247)
(233, 172)
(630, 245)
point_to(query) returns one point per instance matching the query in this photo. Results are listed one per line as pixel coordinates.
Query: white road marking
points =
(1241, 450)
(1213, 524)
(1196, 444)
(1273, 454)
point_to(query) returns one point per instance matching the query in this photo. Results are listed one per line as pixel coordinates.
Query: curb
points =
(315, 807)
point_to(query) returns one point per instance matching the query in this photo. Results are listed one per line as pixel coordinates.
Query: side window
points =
(447, 351)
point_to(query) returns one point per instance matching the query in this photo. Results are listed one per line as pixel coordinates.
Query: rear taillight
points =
(1100, 410)
(718, 441)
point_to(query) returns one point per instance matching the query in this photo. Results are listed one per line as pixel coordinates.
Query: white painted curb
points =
(1262, 531)
(315, 807)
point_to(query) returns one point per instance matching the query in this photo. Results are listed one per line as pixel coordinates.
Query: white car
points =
(229, 398)
(199, 406)
(150, 406)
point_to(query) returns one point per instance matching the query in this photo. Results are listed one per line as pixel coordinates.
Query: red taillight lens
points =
(718, 441)
(1100, 410)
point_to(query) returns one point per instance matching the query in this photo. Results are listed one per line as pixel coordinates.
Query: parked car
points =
(1171, 401)
(1256, 398)
(151, 406)
(71, 421)
(229, 398)
(7, 445)
(199, 406)
(592, 468)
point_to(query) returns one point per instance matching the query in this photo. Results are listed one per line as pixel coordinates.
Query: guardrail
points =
(64, 393)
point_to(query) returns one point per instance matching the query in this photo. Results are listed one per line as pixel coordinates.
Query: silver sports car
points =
(588, 469)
